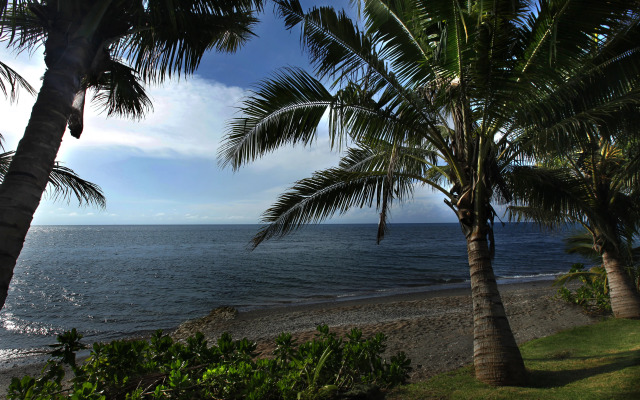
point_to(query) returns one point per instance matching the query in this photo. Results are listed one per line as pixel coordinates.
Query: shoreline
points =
(394, 294)
(434, 327)
(381, 298)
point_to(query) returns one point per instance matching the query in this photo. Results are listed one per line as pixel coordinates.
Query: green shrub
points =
(326, 367)
(593, 294)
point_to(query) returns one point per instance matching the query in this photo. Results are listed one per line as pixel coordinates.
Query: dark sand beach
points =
(434, 328)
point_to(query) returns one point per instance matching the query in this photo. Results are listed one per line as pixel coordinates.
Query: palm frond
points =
(557, 39)
(24, 25)
(119, 91)
(367, 116)
(582, 244)
(172, 39)
(5, 160)
(547, 196)
(11, 82)
(317, 198)
(407, 36)
(593, 273)
(562, 96)
(285, 109)
(356, 183)
(387, 193)
(334, 42)
(67, 184)
(339, 50)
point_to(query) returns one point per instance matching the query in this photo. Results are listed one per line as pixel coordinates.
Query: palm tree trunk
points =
(625, 300)
(496, 356)
(25, 182)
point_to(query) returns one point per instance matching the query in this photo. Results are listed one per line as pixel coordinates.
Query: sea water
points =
(120, 281)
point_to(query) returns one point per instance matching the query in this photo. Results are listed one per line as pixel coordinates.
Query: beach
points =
(434, 328)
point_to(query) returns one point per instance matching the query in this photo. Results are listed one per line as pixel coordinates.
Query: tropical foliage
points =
(594, 185)
(452, 95)
(110, 47)
(326, 367)
(593, 292)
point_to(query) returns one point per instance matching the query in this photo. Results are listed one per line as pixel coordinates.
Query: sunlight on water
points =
(16, 325)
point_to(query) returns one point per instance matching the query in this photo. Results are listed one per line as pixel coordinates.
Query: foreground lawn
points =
(600, 361)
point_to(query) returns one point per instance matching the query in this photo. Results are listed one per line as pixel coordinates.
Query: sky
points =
(163, 169)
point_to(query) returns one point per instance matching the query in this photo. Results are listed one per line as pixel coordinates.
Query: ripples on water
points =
(114, 281)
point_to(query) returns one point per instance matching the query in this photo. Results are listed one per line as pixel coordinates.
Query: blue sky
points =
(163, 169)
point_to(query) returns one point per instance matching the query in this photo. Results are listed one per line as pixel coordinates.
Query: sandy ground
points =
(434, 328)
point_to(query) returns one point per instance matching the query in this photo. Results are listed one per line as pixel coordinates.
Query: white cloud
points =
(187, 119)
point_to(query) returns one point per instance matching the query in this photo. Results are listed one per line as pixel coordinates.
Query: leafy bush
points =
(326, 367)
(593, 294)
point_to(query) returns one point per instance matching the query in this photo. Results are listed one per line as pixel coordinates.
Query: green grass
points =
(600, 361)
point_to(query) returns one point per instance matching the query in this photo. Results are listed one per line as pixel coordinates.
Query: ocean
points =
(120, 281)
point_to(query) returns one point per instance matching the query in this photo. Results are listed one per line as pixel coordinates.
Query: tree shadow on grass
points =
(606, 364)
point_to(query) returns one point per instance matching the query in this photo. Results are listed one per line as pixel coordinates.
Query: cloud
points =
(187, 119)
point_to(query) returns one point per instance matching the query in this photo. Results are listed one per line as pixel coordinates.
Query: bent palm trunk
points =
(496, 356)
(26, 180)
(625, 300)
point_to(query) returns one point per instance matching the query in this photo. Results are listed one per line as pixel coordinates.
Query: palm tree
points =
(441, 93)
(595, 186)
(112, 46)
